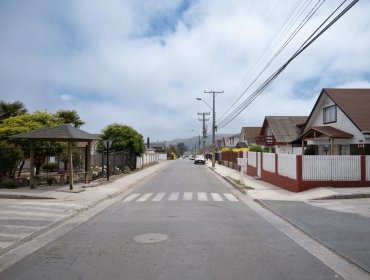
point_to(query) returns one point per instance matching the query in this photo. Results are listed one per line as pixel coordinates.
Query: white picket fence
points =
(314, 168)
(331, 168)
(287, 165)
(252, 159)
(268, 162)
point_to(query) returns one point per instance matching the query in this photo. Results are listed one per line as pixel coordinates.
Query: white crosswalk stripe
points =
(216, 197)
(202, 196)
(21, 219)
(131, 197)
(188, 196)
(159, 196)
(230, 197)
(178, 196)
(174, 196)
(145, 197)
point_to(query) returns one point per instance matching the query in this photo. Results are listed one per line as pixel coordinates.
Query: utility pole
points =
(199, 144)
(214, 128)
(203, 119)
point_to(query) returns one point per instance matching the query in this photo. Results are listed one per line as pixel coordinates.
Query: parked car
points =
(199, 159)
(191, 157)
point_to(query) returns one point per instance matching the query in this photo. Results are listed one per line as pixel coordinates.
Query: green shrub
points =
(50, 180)
(256, 149)
(10, 183)
(50, 167)
(126, 170)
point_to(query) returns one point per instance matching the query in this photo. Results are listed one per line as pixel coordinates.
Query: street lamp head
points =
(198, 98)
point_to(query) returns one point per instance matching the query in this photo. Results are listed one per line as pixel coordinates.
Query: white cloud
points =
(143, 63)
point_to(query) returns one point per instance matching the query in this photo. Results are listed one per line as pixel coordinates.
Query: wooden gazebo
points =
(61, 133)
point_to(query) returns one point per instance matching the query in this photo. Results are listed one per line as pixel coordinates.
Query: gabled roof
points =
(330, 131)
(64, 132)
(284, 128)
(354, 103)
(251, 133)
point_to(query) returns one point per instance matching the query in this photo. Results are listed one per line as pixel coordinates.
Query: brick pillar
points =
(363, 170)
(299, 171)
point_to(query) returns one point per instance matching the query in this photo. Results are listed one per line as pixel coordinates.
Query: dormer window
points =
(330, 114)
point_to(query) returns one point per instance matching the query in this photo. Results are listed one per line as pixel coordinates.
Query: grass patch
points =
(245, 187)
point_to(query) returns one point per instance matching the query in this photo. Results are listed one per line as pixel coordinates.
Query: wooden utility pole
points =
(203, 119)
(213, 124)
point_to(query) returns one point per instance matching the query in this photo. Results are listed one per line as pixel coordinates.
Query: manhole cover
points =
(151, 238)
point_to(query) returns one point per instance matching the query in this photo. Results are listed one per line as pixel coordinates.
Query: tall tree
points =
(70, 117)
(124, 138)
(181, 148)
(27, 122)
(13, 109)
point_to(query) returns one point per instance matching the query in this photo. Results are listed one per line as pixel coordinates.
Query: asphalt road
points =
(346, 233)
(184, 223)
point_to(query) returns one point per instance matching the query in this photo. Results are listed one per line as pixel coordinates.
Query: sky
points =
(143, 63)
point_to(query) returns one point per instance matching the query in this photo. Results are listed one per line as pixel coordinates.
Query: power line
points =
(305, 45)
(283, 31)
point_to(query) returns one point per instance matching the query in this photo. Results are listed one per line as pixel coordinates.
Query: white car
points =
(199, 159)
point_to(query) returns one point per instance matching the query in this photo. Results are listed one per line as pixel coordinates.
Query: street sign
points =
(107, 143)
(242, 161)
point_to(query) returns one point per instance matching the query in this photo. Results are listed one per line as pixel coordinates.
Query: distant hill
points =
(192, 141)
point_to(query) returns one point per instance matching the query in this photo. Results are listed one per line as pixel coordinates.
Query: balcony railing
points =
(266, 140)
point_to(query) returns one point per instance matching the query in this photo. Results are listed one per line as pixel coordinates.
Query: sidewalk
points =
(85, 194)
(265, 191)
(340, 225)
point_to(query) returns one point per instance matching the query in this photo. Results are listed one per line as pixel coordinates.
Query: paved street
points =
(333, 223)
(183, 223)
(22, 219)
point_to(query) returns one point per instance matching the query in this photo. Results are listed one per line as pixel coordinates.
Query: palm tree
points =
(8, 110)
(70, 117)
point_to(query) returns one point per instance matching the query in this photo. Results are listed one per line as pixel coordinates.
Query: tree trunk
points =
(21, 168)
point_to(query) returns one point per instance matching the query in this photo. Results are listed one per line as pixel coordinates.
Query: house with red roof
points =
(339, 123)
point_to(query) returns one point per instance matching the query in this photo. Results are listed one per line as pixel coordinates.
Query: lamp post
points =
(107, 144)
(213, 108)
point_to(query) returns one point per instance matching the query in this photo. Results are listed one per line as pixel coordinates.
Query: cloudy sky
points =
(144, 62)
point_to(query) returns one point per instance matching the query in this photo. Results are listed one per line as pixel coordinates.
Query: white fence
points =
(331, 168)
(146, 159)
(268, 162)
(252, 159)
(367, 168)
(287, 165)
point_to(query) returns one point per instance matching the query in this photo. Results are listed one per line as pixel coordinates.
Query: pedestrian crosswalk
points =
(21, 219)
(178, 196)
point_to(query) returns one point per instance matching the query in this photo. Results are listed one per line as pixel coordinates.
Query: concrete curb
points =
(344, 196)
(232, 183)
(260, 202)
(24, 196)
(235, 185)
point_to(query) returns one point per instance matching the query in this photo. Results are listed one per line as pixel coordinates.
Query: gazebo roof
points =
(64, 132)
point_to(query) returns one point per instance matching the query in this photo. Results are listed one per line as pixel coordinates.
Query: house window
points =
(330, 114)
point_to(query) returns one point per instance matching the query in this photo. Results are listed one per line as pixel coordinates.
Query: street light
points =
(198, 98)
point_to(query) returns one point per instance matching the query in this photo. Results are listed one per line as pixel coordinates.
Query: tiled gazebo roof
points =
(64, 132)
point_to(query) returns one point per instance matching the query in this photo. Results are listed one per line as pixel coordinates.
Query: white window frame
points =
(330, 114)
